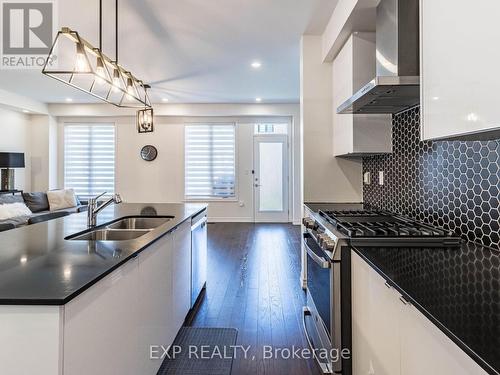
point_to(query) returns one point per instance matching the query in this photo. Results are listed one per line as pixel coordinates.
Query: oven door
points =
(317, 314)
(318, 279)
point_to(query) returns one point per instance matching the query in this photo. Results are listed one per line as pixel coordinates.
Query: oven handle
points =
(322, 262)
(325, 369)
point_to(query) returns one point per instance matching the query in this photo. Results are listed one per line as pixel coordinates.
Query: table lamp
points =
(9, 161)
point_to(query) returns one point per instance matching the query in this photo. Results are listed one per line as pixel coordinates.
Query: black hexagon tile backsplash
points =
(452, 184)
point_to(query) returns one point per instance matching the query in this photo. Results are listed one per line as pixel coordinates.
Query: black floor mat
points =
(201, 351)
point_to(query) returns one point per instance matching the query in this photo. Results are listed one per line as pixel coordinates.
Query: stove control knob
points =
(309, 223)
(329, 245)
(322, 238)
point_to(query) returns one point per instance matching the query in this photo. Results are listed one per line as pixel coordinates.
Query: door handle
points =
(320, 261)
(325, 368)
(257, 185)
(199, 223)
(404, 301)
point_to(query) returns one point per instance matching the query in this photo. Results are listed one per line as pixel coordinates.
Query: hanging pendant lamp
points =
(145, 118)
(79, 64)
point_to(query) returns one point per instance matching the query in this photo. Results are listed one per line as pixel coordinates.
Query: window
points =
(89, 159)
(210, 161)
(262, 129)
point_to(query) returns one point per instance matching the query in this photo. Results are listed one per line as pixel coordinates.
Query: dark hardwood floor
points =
(253, 286)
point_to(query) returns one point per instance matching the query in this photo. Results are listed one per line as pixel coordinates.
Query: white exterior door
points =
(270, 178)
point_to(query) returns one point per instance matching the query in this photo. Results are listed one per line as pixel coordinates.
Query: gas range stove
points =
(375, 228)
(328, 238)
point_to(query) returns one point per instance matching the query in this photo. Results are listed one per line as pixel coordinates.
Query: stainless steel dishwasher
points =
(198, 255)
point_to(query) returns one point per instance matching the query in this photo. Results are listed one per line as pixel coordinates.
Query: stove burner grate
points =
(372, 223)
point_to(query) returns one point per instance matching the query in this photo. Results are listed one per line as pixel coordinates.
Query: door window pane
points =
(271, 176)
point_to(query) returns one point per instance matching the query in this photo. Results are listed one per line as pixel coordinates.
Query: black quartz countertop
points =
(458, 289)
(39, 267)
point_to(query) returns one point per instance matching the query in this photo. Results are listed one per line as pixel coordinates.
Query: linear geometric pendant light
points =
(77, 63)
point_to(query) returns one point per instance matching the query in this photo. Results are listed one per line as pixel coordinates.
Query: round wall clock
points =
(149, 153)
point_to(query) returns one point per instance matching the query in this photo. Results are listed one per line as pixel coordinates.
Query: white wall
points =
(43, 152)
(35, 134)
(326, 178)
(14, 127)
(53, 153)
(163, 179)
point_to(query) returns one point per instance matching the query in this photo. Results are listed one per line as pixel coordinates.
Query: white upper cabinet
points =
(460, 62)
(357, 135)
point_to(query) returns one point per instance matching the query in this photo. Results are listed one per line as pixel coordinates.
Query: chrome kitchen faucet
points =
(93, 209)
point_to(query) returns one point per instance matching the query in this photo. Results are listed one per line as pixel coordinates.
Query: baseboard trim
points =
(230, 219)
(243, 220)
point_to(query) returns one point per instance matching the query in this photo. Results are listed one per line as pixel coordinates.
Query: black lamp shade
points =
(11, 160)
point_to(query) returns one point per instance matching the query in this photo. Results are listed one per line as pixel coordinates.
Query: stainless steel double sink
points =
(128, 228)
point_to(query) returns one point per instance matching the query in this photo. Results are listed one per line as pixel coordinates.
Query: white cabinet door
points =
(155, 325)
(342, 72)
(100, 336)
(30, 340)
(181, 264)
(459, 61)
(376, 312)
(427, 350)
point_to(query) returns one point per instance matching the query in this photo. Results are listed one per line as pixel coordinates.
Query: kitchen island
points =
(80, 306)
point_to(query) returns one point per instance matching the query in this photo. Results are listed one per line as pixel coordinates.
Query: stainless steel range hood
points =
(397, 84)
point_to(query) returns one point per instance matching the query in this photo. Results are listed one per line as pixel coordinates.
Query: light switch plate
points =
(367, 178)
(380, 177)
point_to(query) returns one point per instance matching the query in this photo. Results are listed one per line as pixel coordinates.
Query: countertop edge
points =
(471, 353)
(62, 302)
(315, 206)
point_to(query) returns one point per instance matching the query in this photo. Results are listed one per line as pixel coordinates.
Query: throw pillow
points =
(11, 210)
(36, 202)
(59, 199)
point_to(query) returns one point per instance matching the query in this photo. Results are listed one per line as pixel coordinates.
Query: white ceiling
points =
(193, 51)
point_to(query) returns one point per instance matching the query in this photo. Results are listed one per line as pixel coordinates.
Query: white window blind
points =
(210, 168)
(89, 159)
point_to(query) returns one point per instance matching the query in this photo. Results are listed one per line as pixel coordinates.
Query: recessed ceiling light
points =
(26, 111)
(164, 99)
(472, 117)
(256, 64)
(69, 100)
(258, 100)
